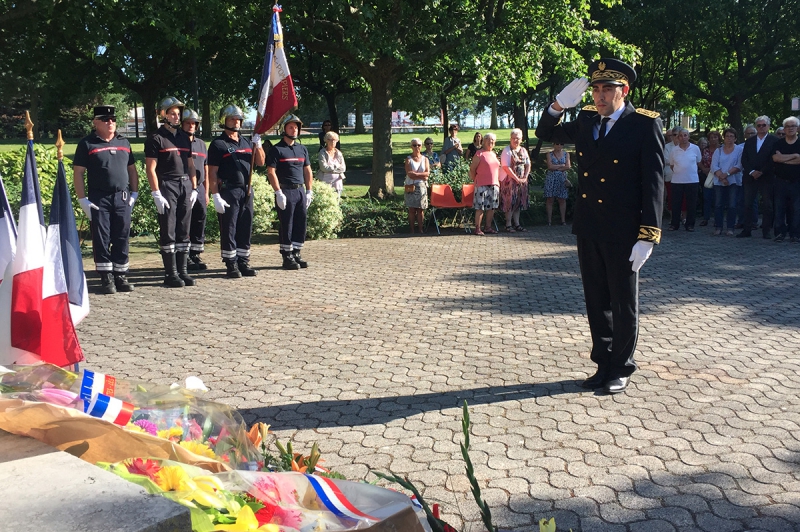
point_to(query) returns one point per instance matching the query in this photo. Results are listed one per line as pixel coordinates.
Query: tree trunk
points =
(493, 125)
(445, 117)
(521, 118)
(359, 129)
(735, 116)
(382, 184)
(330, 99)
(136, 118)
(150, 119)
(207, 124)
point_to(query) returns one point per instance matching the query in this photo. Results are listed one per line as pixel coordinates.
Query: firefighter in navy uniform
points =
(190, 123)
(173, 181)
(618, 208)
(289, 173)
(108, 199)
(229, 158)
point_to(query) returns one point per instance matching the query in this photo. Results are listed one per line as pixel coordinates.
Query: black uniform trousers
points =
(292, 232)
(174, 223)
(611, 291)
(752, 187)
(111, 227)
(197, 227)
(236, 224)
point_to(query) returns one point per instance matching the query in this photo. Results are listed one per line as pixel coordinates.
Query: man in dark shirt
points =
(229, 159)
(113, 185)
(197, 226)
(786, 162)
(288, 171)
(617, 218)
(173, 181)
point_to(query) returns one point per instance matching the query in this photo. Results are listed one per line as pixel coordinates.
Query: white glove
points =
(256, 140)
(161, 202)
(87, 207)
(640, 253)
(309, 197)
(219, 203)
(194, 197)
(280, 199)
(132, 199)
(571, 95)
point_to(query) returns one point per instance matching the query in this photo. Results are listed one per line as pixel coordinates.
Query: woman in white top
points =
(331, 163)
(684, 160)
(727, 167)
(416, 185)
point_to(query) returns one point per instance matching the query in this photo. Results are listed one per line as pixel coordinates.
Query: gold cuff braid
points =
(649, 234)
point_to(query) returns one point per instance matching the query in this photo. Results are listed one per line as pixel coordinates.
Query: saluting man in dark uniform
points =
(617, 211)
(229, 158)
(173, 180)
(113, 186)
(289, 173)
(197, 227)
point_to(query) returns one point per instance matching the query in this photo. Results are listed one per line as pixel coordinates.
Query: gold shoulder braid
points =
(649, 234)
(589, 108)
(648, 113)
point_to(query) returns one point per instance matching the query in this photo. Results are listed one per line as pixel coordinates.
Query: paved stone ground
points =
(373, 349)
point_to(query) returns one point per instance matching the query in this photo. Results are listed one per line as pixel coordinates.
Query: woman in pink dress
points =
(484, 172)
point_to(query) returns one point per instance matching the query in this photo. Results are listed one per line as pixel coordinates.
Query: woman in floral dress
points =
(514, 181)
(555, 181)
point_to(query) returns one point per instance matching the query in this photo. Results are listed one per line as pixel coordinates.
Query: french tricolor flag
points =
(109, 408)
(97, 383)
(334, 500)
(35, 323)
(277, 95)
(8, 232)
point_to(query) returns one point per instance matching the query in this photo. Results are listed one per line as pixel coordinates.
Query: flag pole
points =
(29, 125)
(60, 146)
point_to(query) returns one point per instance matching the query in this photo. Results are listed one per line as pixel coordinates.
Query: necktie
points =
(603, 125)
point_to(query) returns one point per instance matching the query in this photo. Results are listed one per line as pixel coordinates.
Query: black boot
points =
(196, 263)
(233, 270)
(122, 284)
(107, 283)
(289, 262)
(244, 267)
(171, 278)
(182, 259)
(298, 259)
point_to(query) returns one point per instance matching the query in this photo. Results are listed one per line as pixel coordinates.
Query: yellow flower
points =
(174, 478)
(547, 526)
(172, 432)
(134, 428)
(246, 521)
(198, 448)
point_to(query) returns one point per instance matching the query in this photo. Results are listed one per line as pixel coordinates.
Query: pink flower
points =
(195, 430)
(147, 426)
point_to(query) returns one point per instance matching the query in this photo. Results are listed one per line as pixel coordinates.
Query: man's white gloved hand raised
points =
(571, 95)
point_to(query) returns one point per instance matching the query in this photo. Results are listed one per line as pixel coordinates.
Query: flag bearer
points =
(108, 197)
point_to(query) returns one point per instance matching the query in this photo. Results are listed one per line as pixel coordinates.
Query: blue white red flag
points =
(95, 383)
(335, 501)
(277, 97)
(8, 232)
(62, 239)
(32, 331)
(109, 408)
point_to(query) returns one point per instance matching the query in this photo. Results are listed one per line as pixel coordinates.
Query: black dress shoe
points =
(744, 234)
(595, 381)
(617, 385)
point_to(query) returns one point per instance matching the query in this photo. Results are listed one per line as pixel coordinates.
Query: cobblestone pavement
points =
(372, 350)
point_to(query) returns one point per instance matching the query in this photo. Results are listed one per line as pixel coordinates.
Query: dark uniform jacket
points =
(232, 159)
(106, 162)
(620, 178)
(758, 160)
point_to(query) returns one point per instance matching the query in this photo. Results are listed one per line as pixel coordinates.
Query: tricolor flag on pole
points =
(277, 96)
(32, 330)
(65, 246)
(8, 232)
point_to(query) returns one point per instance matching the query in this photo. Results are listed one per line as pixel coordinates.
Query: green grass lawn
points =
(357, 149)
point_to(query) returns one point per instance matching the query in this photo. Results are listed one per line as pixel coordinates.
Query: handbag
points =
(409, 189)
(709, 180)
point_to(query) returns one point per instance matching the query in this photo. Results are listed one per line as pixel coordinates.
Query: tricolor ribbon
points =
(334, 500)
(109, 408)
(96, 383)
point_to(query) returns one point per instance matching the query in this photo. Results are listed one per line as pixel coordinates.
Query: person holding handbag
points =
(556, 182)
(726, 164)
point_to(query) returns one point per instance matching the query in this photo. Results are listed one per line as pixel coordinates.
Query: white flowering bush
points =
(324, 214)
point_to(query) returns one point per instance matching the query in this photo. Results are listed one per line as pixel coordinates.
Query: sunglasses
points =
(107, 119)
(416, 145)
(429, 143)
(761, 125)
